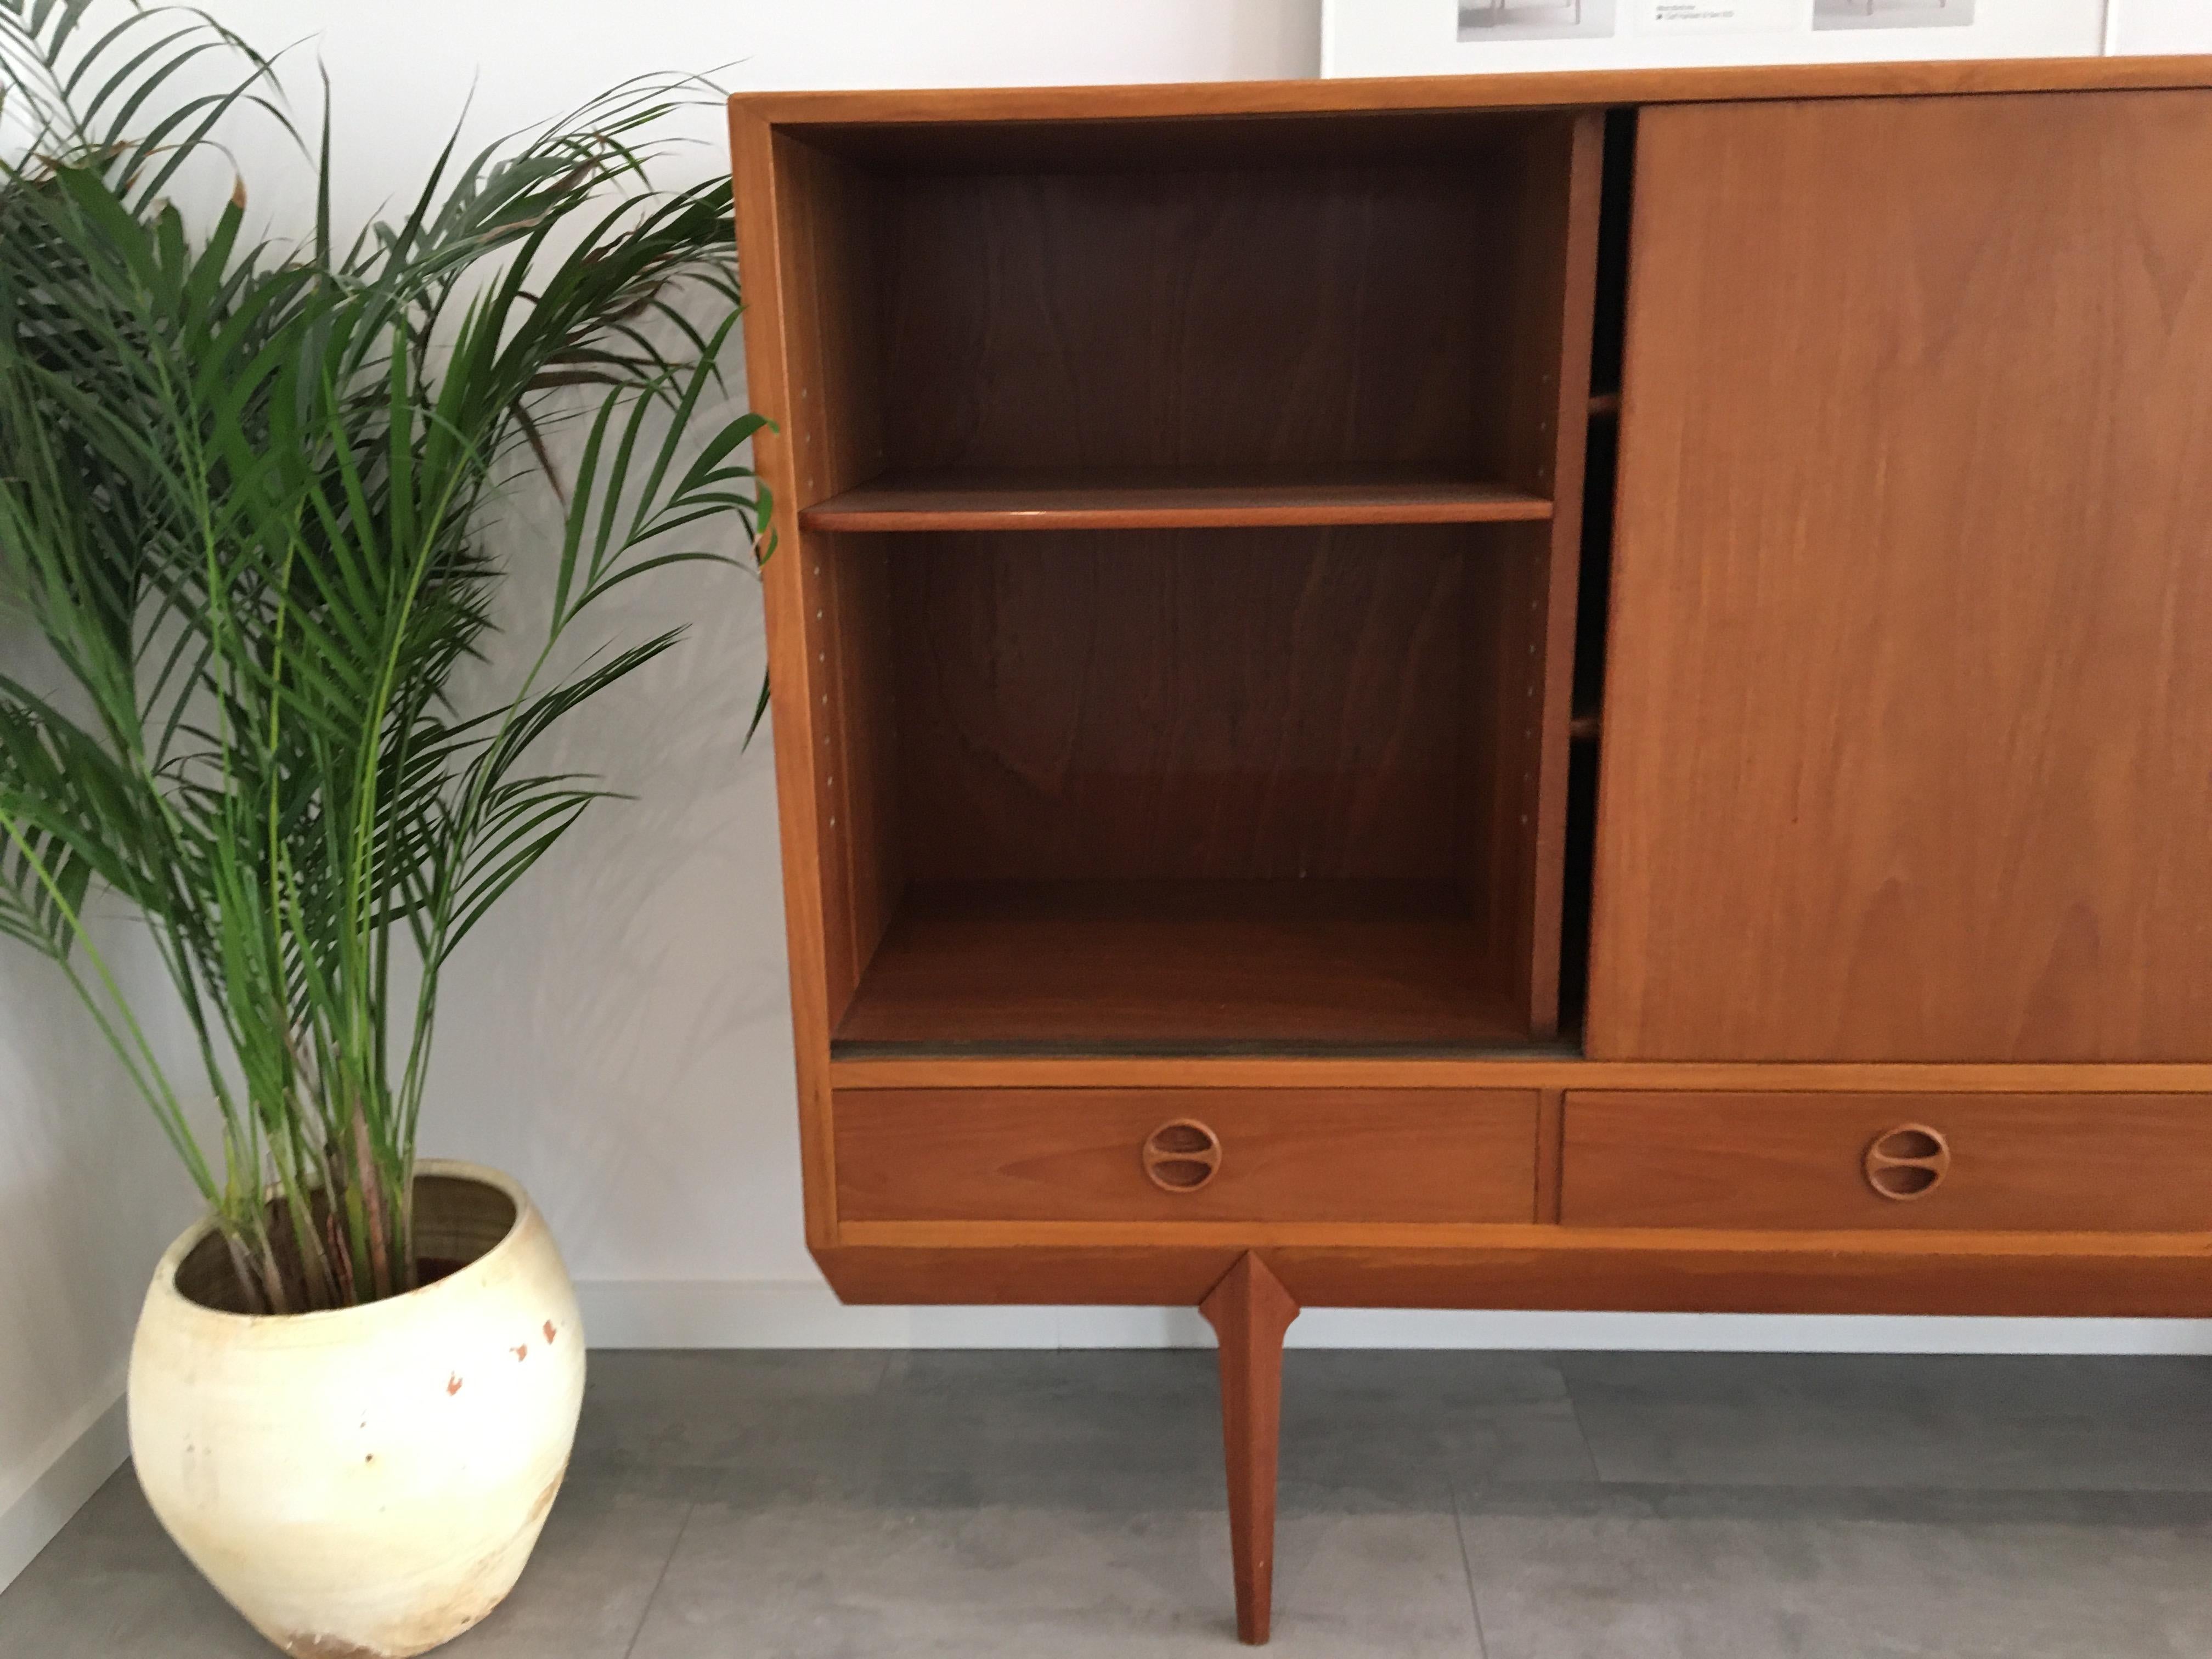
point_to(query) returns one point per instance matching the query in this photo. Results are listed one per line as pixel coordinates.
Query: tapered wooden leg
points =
(1250, 1310)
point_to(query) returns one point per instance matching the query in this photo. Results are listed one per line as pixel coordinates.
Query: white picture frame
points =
(1470, 37)
(2134, 27)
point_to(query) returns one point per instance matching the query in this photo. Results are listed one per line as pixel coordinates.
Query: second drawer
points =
(1285, 1155)
(2077, 1162)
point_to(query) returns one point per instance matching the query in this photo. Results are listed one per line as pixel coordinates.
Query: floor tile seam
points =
(660, 1579)
(1467, 1569)
(1964, 1510)
(1887, 1488)
(1574, 1412)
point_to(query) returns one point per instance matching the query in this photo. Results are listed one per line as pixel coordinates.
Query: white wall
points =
(403, 68)
(90, 1194)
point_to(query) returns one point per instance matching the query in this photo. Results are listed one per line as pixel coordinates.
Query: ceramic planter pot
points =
(366, 1483)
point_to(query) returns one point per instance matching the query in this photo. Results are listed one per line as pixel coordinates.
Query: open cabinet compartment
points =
(1190, 787)
(1188, 620)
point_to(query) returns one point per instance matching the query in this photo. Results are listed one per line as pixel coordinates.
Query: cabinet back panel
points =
(1908, 707)
(1321, 316)
(1245, 704)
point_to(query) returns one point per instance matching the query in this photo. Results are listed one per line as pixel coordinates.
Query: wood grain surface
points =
(1519, 761)
(1263, 316)
(1551, 1067)
(895, 123)
(1249, 1311)
(1622, 1269)
(1294, 1154)
(2022, 1163)
(811, 915)
(1244, 704)
(1180, 965)
(1165, 499)
(1907, 717)
(1551, 1118)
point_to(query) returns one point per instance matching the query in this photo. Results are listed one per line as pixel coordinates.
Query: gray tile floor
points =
(1508, 1506)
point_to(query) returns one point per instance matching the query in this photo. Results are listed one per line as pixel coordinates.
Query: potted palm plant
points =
(244, 491)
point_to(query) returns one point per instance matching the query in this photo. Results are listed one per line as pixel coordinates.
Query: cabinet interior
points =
(1188, 567)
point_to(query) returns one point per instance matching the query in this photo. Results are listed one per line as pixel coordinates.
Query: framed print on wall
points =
(2157, 26)
(1472, 37)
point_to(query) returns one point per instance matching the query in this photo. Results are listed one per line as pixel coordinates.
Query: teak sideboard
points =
(1578, 692)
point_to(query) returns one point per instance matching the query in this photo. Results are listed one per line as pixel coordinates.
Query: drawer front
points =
(1186, 1155)
(2025, 1163)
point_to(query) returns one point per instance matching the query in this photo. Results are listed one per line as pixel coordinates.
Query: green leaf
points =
(246, 493)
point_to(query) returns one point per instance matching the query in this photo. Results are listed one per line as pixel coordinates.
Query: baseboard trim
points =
(83, 1467)
(806, 1313)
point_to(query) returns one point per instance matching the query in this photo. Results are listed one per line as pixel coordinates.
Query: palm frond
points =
(244, 493)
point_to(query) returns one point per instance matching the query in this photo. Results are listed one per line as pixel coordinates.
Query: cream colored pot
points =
(366, 1483)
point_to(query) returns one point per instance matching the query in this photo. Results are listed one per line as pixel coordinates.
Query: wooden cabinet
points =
(1562, 692)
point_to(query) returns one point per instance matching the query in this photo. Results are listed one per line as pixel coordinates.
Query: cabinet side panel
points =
(831, 212)
(855, 625)
(785, 603)
(1537, 289)
(1502, 722)
(828, 216)
(1908, 713)
(807, 238)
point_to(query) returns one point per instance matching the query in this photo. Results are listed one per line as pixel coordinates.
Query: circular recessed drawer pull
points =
(1183, 1156)
(1908, 1162)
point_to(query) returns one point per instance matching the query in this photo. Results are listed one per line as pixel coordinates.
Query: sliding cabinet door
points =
(1907, 743)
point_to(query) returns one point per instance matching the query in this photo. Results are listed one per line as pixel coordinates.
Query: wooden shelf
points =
(1604, 404)
(1167, 499)
(1162, 965)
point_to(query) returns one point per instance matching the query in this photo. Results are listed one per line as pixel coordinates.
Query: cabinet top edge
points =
(1549, 90)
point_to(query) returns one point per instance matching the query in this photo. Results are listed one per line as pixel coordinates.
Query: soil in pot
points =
(457, 1221)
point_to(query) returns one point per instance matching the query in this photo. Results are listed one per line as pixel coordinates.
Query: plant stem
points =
(377, 1214)
(241, 1264)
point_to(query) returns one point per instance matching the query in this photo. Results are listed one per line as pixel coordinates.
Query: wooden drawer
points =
(2026, 1162)
(1186, 1155)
